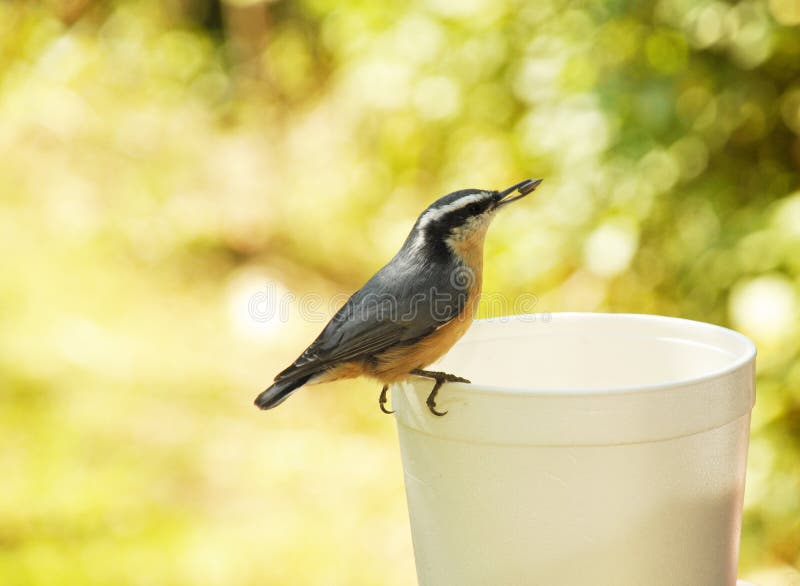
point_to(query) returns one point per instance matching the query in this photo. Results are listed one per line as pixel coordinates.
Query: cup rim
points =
(747, 355)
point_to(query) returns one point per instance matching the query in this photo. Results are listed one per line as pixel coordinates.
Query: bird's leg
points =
(382, 400)
(440, 378)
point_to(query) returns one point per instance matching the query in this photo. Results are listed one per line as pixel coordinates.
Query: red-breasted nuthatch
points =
(414, 309)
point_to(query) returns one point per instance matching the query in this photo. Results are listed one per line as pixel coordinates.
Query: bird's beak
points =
(523, 188)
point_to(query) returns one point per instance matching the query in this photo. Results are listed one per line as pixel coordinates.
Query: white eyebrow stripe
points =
(435, 214)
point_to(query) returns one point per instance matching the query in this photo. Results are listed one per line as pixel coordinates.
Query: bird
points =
(412, 311)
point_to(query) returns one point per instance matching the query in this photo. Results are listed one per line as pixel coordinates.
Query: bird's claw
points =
(383, 399)
(431, 400)
(432, 408)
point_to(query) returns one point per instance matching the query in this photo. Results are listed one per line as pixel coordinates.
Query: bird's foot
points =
(440, 378)
(383, 399)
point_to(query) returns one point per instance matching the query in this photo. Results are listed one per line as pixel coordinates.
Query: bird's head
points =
(463, 216)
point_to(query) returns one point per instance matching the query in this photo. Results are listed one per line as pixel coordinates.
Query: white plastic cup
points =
(602, 449)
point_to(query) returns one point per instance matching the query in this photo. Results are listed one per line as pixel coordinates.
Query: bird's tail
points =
(279, 392)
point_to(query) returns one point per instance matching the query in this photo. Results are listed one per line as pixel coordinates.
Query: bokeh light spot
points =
(609, 249)
(786, 12)
(258, 305)
(787, 215)
(765, 307)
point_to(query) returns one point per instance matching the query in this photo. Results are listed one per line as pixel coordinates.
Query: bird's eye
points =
(474, 208)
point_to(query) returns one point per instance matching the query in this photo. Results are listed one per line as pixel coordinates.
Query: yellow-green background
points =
(166, 164)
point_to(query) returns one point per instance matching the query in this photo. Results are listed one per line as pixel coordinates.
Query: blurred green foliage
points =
(167, 163)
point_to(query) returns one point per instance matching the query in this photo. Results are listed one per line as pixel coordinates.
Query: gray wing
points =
(401, 303)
